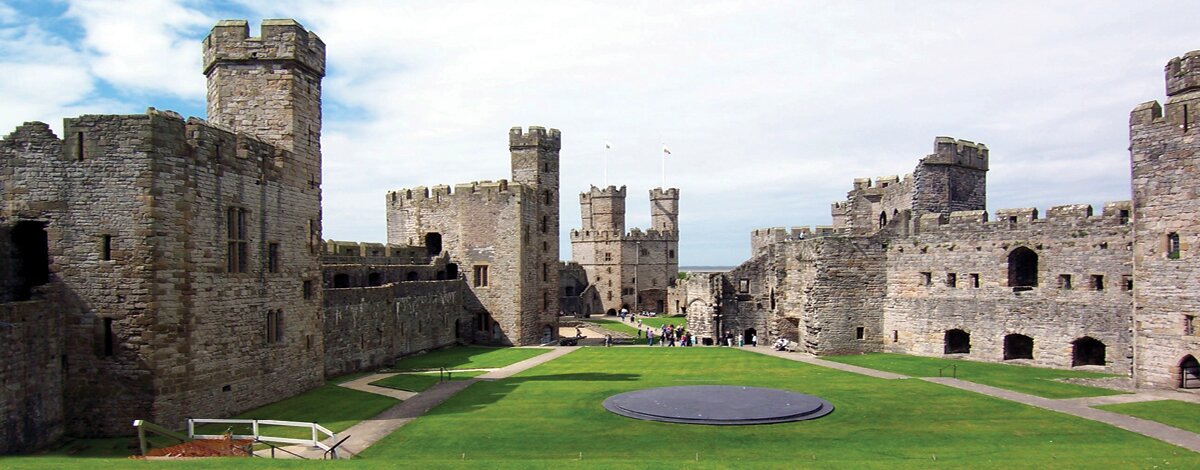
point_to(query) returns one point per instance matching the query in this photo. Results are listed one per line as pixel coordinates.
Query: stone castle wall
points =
(1163, 146)
(955, 276)
(369, 327)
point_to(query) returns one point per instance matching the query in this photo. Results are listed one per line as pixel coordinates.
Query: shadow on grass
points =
(491, 391)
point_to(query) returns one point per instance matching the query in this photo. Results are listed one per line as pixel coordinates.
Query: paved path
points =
(810, 359)
(363, 384)
(1081, 407)
(1162, 432)
(370, 431)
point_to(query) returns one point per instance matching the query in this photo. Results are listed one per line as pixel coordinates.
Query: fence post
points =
(313, 427)
(191, 429)
(254, 428)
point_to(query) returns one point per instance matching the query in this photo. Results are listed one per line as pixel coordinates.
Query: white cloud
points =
(144, 46)
(771, 108)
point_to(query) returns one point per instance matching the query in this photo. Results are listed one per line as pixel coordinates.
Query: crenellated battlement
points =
(610, 191)
(660, 193)
(444, 194)
(1067, 216)
(632, 235)
(1183, 74)
(281, 40)
(880, 182)
(964, 153)
(535, 136)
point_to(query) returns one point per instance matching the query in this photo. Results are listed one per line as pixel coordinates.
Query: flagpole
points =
(606, 165)
(664, 166)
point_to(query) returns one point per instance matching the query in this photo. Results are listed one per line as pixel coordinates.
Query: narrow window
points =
(545, 226)
(545, 272)
(1103, 245)
(1185, 118)
(1173, 245)
(546, 197)
(312, 236)
(273, 257)
(307, 289)
(608, 257)
(860, 333)
(671, 254)
(279, 326)
(1124, 216)
(1127, 282)
(645, 252)
(975, 280)
(235, 222)
(1022, 269)
(926, 279)
(895, 336)
(545, 247)
(744, 286)
(1064, 281)
(79, 146)
(1189, 325)
(951, 279)
(481, 275)
(106, 247)
(1097, 282)
(1012, 219)
(545, 300)
(609, 295)
(271, 319)
(108, 337)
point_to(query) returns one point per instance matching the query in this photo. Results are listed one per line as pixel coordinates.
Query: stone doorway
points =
(749, 335)
(957, 342)
(1189, 372)
(1018, 347)
(1087, 351)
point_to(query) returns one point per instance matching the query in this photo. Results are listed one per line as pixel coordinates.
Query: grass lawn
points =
(551, 415)
(614, 325)
(658, 322)
(1180, 414)
(421, 381)
(1032, 380)
(468, 357)
(631, 328)
(334, 407)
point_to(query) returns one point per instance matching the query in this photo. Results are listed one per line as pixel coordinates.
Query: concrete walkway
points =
(1081, 407)
(363, 384)
(1162, 432)
(370, 431)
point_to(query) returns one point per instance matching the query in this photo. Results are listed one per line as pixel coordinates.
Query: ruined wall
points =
(1163, 147)
(843, 281)
(955, 275)
(577, 295)
(369, 327)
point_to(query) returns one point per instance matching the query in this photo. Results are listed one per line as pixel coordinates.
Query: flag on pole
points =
(666, 151)
(607, 146)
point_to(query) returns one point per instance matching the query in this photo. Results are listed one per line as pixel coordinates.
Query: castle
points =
(914, 265)
(642, 264)
(158, 268)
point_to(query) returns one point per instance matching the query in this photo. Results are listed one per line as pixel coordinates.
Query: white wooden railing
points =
(318, 432)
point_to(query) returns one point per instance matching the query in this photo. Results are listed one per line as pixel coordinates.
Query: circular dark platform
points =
(718, 404)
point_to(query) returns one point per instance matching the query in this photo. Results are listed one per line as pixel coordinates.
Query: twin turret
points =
(603, 209)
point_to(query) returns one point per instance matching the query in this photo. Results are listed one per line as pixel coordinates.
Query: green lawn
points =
(617, 326)
(551, 415)
(336, 408)
(1180, 414)
(631, 328)
(421, 381)
(1032, 380)
(658, 322)
(468, 357)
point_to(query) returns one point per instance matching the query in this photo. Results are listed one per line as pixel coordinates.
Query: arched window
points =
(1018, 347)
(957, 342)
(341, 281)
(1173, 245)
(1087, 351)
(882, 219)
(1022, 269)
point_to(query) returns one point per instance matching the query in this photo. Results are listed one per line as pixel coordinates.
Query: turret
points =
(953, 178)
(607, 209)
(664, 209)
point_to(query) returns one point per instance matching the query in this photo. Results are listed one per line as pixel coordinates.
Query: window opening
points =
(481, 275)
(951, 279)
(375, 279)
(273, 257)
(860, 333)
(1087, 351)
(1018, 347)
(1022, 269)
(1064, 281)
(109, 339)
(236, 253)
(1173, 245)
(307, 289)
(927, 279)
(341, 281)
(975, 280)
(1097, 282)
(106, 247)
(957, 342)
(79, 146)
(433, 243)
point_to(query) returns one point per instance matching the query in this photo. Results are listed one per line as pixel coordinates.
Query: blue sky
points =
(770, 108)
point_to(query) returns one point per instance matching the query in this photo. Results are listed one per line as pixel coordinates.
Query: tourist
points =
(578, 333)
(650, 337)
(754, 340)
(608, 341)
(740, 339)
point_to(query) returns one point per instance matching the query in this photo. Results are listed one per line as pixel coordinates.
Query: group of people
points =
(668, 335)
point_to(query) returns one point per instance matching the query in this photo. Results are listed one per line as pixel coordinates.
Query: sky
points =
(770, 108)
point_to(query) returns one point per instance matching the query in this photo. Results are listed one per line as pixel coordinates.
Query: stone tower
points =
(1163, 147)
(535, 164)
(953, 178)
(603, 209)
(664, 209)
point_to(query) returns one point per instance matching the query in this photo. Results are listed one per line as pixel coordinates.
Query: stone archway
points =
(957, 342)
(1189, 372)
(1022, 269)
(749, 336)
(1018, 346)
(1087, 351)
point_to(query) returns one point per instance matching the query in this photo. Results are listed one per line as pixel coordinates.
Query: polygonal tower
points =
(664, 209)
(603, 209)
(535, 164)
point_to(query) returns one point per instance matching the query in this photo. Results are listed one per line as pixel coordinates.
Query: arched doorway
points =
(433, 243)
(1018, 347)
(32, 249)
(495, 331)
(883, 219)
(749, 335)
(957, 342)
(547, 334)
(1087, 351)
(1022, 269)
(1189, 372)
(341, 281)
(375, 279)
(611, 312)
